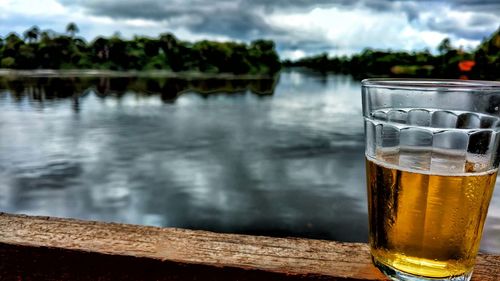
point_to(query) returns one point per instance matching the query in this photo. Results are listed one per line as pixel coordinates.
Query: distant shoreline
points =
(43, 49)
(6, 72)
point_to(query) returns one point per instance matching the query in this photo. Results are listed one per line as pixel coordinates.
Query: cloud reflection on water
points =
(290, 164)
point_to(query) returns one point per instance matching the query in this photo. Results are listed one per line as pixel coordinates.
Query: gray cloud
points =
(482, 20)
(242, 25)
(490, 6)
(163, 9)
(246, 19)
(475, 28)
(241, 19)
(222, 17)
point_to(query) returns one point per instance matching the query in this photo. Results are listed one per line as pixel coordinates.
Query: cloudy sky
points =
(299, 27)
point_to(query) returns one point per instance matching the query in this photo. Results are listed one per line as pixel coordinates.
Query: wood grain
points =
(42, 248)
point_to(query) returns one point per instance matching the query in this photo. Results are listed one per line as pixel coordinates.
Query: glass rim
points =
(421, 84)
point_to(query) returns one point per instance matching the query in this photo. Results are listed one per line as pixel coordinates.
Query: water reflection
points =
(168, 88)
(285, 161)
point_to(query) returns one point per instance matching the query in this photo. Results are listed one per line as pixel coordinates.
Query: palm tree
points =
(445, 46)
(72, 29)
(32, 34)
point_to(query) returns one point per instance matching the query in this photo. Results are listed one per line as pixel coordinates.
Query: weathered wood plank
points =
(41, 248)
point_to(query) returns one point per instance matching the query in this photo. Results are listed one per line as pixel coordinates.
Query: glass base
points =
(397, 275)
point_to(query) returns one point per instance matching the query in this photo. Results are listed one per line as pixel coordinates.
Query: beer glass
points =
(432, 154)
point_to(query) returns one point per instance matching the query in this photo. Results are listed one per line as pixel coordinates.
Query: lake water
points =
(282, 161)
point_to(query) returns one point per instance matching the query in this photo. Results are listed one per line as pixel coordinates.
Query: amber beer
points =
(426, 224)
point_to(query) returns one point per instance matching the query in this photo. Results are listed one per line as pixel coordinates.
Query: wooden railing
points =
(42, 248)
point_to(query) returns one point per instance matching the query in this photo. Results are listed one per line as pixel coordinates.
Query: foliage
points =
(72, 29)
(49, 50)
(485, 60)
(46, 49)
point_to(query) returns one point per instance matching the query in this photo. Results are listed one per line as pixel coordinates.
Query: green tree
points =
(176, 52)
(48, 49)
(2, 43)
(487, 58)
(32, 34)
(445, 46)
(46, 36)
(72, 29)
(8, 62)
(12, 44)
(118, 55)
(263, 52)
(26, 57)
(56, 52)
(100, 50)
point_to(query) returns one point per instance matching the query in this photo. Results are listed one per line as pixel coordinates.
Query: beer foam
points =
(427, 172)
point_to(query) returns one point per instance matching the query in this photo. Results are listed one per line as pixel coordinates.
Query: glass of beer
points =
(432, 154)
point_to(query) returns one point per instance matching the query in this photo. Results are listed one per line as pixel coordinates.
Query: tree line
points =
(450, 62)
(46, 49)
